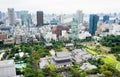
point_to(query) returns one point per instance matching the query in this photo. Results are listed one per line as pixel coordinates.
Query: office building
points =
(79, 17)
(61, 19)
(93, 23)
(11, 16)
(7, 68)
(0, 15)
(39, 18)
(105, 18)
(74, 28)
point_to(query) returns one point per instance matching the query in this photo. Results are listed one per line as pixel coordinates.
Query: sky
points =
(62, 6)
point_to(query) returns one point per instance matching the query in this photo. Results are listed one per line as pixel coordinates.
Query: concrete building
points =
(20, 39)
(88, 66)
(43, 63)
(40, 18)
(11, 16)
(7, 68)
(3, 36)
(9, 41)
(80, 17)
(58, 30)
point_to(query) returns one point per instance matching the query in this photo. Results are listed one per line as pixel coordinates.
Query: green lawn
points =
(107, 60)
(91, 51)
(112, 62)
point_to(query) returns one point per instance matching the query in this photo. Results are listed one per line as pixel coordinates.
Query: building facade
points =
(80, 17)
(11, 16)
(105, 18)
(74, 28)
(93, 23)
(7, 68)
(39, 18)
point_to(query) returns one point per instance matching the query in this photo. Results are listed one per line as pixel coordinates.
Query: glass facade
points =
(105, 18)
(93, 23)
(74, 28)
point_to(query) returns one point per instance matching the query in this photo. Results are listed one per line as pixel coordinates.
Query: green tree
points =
(83, 74)
(29, 72)
(40, 73)
(107, 73)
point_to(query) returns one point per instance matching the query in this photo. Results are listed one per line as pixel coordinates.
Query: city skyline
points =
(62, 6)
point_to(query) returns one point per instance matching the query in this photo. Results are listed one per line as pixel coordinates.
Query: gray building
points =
(11, 16)
(80, 17)
(7, 68)
(80, 55)
(62, 59)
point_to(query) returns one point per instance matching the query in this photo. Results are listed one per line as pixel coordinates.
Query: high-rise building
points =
(93, 23)
(11, 16)
(61, 18)
(0, 15)
(74, 28)
(105, 18)
(79, 17)
(39, 18)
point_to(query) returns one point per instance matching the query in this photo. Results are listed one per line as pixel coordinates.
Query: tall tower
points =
(93, 23)
(79, 17)
(11, 16)
(61, 18)
(39, 18)
(0, 15)
(74, 27)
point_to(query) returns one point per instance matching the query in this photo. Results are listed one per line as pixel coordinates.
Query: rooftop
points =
(7, 63)
(62, 55)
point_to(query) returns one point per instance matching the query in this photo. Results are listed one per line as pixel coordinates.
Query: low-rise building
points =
(88, 66)
(80, 55)
(3, 36)
(62, 59)
(9, 41)
(43, 63)
(7, 68)
(69, 45)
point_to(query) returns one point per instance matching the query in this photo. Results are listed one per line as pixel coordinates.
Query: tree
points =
(52, 68)
(107, 73)
(40, 73)
(29, 72)
(83, 74)
(75, 72)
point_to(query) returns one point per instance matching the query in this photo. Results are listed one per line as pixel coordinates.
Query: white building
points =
(43, 63)
(83, 35)
(11, 16)
(80, 17)
(88, 66)
(116, 30)
(7, 68)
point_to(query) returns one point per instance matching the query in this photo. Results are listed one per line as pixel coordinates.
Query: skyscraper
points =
(93, 23)
(11, 16)
(79, 17)
(0, 15)
(74, 27)
(39, 18)
(105, 18)
(61, 18)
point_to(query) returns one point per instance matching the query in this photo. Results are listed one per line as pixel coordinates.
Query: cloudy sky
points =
(62, 6)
